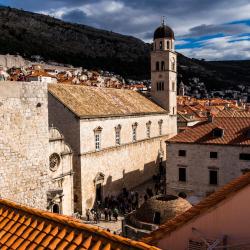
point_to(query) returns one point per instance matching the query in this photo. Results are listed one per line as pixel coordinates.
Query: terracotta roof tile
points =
(235, 132)
(22, 227)
(209, 202)
(87, 101)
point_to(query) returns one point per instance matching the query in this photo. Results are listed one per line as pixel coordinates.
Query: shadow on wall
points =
(131, 179)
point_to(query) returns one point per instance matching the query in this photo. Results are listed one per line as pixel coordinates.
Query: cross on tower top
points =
(163, 20)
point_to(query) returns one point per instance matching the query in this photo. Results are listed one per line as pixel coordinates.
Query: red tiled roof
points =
(233, 113)
(22, 227)
(235, 132)
(209, 202)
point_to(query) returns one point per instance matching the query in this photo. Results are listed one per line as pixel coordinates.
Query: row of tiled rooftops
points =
(22, 227)
(219, 130)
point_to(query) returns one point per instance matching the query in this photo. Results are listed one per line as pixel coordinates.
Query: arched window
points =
(167, 44)
(160, 45)
(162, 65)
(173, 64)
(56, 209)
(157, 66)
(173, 86)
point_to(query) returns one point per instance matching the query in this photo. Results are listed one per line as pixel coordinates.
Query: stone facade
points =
(61, 172)
(113, 166)
(10, 61)
(163, 70)
(198, 163)
(24, 144)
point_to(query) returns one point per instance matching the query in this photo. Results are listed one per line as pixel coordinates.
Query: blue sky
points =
(210, 29)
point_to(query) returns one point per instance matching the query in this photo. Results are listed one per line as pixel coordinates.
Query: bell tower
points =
(163, 69)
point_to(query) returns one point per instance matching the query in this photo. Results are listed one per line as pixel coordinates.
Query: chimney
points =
(210, 117)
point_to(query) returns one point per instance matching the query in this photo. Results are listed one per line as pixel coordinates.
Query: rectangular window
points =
(213, 177)
(182, 153)
(97, 142)
(213, 155)
(182, 174)
(148, 131)
(245, 157)
(117, 137)
(160, 128)
(134, 134)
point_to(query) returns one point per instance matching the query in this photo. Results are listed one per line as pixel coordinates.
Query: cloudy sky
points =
(210, 29)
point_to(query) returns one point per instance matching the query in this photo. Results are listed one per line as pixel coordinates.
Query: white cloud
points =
(222, 48)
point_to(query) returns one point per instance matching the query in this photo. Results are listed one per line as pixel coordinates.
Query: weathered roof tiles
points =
(86, 101)
(22, 227)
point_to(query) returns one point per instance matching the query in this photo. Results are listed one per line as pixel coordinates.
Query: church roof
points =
(22, 227)
(85, 101)
(164, 31)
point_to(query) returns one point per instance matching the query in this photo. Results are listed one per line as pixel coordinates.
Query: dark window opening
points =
(160, 45)
(162, 65)
(160, 86)
(213, 177)
(99, 192)
(245, 170)
(182, 152)
(182, 195)
(245, 157)
(56, 209)
(218, 132)
(157, 218)
(157, 66)
(214, 155)
(167, 44)
(182, 174)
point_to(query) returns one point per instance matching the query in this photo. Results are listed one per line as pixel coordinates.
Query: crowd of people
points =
(127, 201)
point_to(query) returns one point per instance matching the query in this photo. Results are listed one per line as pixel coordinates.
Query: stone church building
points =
(35, 163)
(117, 135)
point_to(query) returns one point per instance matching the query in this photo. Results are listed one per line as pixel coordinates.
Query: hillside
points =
(30, 34)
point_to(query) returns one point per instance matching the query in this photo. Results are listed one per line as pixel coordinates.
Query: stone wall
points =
(198, 162)
(24, 143)
(10, 61)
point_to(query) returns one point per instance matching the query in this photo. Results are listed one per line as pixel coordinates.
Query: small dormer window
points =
(218, 132)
